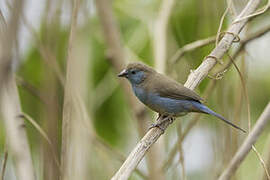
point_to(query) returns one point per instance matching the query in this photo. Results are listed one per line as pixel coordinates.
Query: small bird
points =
(164, 95)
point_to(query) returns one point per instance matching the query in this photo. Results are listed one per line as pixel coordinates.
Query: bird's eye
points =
(133, 72)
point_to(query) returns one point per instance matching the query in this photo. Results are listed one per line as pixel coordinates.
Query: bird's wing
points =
(166, 87)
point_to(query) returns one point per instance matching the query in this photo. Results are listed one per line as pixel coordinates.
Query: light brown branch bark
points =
(191, 47)
(17, 141)
(247, 145)
(193, 81)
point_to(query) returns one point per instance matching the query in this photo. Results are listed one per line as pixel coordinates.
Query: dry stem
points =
(247, 145)
(4, 165)
(17, 141)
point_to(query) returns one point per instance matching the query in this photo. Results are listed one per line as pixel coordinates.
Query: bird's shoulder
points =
(166, 87)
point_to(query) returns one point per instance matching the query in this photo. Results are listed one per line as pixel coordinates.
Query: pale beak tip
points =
(122, 73)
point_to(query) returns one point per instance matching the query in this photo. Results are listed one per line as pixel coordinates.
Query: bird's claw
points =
(171, 119)
(157, 125)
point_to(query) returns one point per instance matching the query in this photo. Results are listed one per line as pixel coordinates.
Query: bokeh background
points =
(111, 130)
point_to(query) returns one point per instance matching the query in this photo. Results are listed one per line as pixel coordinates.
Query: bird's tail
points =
(204, 109)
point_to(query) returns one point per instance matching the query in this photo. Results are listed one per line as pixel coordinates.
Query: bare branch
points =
(247, 144)
(44, 135)
(191, 47)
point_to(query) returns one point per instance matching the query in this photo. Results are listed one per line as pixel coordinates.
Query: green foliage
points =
(110, 117)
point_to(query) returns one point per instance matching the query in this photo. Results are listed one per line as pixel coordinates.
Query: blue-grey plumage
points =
(164, 95)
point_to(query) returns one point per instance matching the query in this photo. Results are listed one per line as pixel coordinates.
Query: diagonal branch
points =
(204, 42)
(190, 47)
(193, 81)
(247, 145)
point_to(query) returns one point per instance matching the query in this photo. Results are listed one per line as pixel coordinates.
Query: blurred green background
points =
(207, 148)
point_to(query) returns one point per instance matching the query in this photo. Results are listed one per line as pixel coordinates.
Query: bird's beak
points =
(123, 73)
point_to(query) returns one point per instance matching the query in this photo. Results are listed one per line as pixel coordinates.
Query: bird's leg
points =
(159, 116)
(161, 121)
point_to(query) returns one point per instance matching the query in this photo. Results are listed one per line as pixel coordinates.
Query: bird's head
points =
(136, 73)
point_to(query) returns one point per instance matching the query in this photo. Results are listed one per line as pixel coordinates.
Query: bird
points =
(164, 95)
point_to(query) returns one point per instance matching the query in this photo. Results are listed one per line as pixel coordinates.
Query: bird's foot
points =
(159, 124)
(171, 119)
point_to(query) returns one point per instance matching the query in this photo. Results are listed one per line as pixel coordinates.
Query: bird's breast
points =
(141, 93)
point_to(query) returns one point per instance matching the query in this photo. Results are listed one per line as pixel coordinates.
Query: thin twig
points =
(4, 165)
(221, 22)
(260, 11)
(244, 89)
(46, 53)
(191, 47)
(262, 162)
(44, 135)
(249, 114)
(181, 153)
(247, 144)
(266, 148)
(31, 89)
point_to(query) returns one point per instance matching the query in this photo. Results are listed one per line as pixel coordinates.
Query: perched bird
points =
(164, 95)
